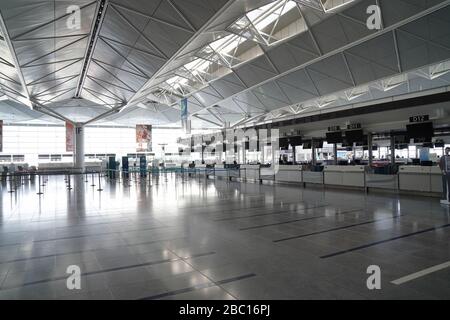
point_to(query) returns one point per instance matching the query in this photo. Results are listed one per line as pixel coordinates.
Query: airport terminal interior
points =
(225, 149)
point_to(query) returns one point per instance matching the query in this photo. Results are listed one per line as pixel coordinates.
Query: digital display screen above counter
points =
(354, 136)
(334, 137)
(420, 130)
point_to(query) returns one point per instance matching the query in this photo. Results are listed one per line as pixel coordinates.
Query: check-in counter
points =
(250, 171)
(313, 177)
(267, 173)
(201, 169)
(221, 170)
(289, 174)
(382, 181)
(55, 166)
(58, 166)
(436, 180)
(350, 176)
(420, 178)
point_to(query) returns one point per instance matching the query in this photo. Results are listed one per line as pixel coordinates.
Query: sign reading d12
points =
(422, 118)
(354, 126)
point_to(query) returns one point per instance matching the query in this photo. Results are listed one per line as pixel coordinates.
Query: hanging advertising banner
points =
(143, 138)
(184, 109)
(1, 135)
(70, 137)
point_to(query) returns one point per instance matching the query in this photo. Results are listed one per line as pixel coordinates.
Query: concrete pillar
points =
(294, 155)
(79, 148)
(370, 146)
(392, 149)
(335, 154)
(313, 153)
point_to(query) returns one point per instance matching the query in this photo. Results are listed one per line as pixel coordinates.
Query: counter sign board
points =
(354, 126)
(334, 128)
(418, 119)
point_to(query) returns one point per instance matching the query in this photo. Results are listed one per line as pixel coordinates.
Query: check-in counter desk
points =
(289, 174)
(382, 181)
(58, 166)
(201, 169)
(419, 178)
(313, 177)
(221, 170)
(250, 172)
(350, 176)
(267, 173)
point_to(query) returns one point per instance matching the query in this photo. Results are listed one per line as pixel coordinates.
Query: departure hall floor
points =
(169, 238)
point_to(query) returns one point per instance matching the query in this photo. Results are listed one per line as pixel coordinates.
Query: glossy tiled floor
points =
(170, 238)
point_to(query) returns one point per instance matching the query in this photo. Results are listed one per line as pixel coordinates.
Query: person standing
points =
(444, 165)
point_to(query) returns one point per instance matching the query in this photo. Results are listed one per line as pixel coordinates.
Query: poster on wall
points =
(143, 138)
(1, 135)
(70, 137)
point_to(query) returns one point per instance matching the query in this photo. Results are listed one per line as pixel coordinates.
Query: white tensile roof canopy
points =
(238, 62)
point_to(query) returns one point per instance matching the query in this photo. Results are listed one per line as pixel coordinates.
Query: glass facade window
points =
(39, 143)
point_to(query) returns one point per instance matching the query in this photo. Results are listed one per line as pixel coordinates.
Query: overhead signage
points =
(334, 128)
(184, 109)
(418, 119)
(354, 126)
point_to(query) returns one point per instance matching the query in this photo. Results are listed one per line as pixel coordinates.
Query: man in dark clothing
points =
(444, 165)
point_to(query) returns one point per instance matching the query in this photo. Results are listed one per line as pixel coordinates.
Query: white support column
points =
(79, 148)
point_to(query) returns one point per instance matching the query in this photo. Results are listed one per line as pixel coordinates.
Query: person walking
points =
(444, 165)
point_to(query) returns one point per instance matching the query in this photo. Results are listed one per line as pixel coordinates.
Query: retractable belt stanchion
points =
(93, 180)
(69, 187)
(11, 189)
(99, 182)
(39, 192)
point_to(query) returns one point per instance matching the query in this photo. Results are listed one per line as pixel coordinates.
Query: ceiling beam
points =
(340, 50)
(196, 35)
(101, 116)
(12, 51)
(216, 116)
(49, 111)
(209, 121)
(102, 6)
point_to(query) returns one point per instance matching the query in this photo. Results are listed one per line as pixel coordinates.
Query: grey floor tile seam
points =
(204, 275)
(248, 207)
(146, 264)
(71, 219)
(368, 245)
(214, 204)
(82, 236)
(336, 229)
(93, 250)
(292, 211)
(298, 220)
(199, 287)
(68, 227)
(45, 256)
(100, 234)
